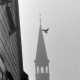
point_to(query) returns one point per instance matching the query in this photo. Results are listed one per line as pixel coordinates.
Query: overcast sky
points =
(62, 41)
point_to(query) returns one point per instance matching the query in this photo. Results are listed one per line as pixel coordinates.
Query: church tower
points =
(41, 61)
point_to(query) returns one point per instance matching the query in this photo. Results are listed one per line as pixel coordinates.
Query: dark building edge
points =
(22, 73)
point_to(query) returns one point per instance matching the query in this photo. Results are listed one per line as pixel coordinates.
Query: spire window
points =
(46, 69)
(42, 69)
(37, 70)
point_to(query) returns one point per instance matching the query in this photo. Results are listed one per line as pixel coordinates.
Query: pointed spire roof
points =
(41, 56)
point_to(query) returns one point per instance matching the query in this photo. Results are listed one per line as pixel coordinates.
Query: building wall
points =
(9, 48)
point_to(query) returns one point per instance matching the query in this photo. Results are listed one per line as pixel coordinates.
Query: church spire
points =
(41, 61)
(41, 56)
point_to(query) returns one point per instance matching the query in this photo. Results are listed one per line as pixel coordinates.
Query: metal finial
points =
(40, 18)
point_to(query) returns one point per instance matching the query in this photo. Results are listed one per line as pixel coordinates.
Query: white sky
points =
(62, 41)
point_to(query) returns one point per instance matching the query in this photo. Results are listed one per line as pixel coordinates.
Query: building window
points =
(12, 27)
(42, 69)
(2, 2)
(9, 76)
